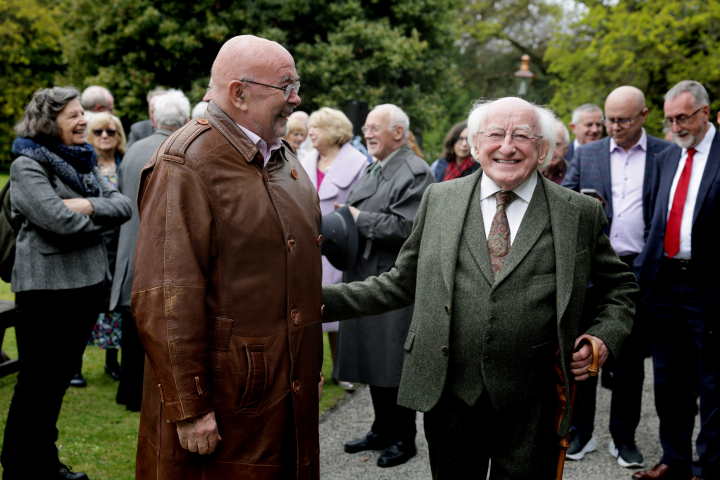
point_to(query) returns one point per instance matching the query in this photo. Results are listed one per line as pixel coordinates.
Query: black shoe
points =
(113, 372)
(371, 441)
(397, 453)
(580, 445)
(66, 473)
(628, 455)
(78, 381)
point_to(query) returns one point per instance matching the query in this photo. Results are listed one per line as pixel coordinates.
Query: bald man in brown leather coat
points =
(227, 285)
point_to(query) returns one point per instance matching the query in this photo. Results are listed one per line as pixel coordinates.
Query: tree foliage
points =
(29, 57)
(649, 44)
(378, 51)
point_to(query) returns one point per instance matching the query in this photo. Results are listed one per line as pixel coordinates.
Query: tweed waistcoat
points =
(494, 343)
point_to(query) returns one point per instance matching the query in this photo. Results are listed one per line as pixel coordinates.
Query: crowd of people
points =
(216, 245)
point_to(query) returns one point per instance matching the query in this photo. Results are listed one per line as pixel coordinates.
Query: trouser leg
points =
(583, 420)
(392, 421)
(628, 376)
(133, 363)
(52, 335)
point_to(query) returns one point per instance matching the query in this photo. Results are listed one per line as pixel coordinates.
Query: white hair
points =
(172, 109)
(566, 133)
(696, 89)
(398, 118)
(588, 107)
(199, 110)
(545, 120)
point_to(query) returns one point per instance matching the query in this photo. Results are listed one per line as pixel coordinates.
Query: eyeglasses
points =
(681, 120)
(99, 131)
(288, 90)
(621, 122)
(498, 136)
(374, 128)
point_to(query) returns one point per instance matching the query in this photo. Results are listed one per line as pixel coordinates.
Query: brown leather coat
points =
(227, 300)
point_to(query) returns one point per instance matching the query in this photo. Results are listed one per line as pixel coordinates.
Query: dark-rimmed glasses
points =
(681, 120)
(99, 131)
(288, 90)
(498, 136)
(621, 122)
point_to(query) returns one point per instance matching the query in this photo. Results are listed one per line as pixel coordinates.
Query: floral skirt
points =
(107, 332)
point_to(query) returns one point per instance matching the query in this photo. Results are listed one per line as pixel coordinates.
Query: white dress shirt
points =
(265, 150)
(627, 173)
(698, 167)
(515, 211)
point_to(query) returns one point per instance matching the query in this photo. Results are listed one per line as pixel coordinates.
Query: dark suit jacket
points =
(555, 285)
(590, 168)
(140, 130)
(571, 151)
(705, 229)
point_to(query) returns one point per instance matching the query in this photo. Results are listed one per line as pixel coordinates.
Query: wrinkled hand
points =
(199, 434)
(354, 211)
(320, 386)
(582, 359)
(79, 205)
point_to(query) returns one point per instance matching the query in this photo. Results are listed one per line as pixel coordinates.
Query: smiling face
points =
(295, 139)
(589, 128)
(104, 142)
(506, 163)
(72, 123)
(462, 145)
(268, 108)
(316, 134)
(381, 139)
(692, 132)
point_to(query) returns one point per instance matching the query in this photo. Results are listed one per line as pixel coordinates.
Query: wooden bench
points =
(8, 318)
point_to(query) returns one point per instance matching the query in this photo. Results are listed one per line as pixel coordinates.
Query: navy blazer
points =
(590, 168)
(705, 227)
(571, 151)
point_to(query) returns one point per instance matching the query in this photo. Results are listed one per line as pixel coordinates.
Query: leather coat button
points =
(294, 314)
(491, 319)
(202, 121)
(322, 310)
(320, 239)
(444, 351)
(291, 244)
(294, 173)
(296, 386)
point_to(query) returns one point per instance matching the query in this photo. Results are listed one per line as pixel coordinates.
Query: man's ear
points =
(572, 128)
(399, 132)
(237, 94)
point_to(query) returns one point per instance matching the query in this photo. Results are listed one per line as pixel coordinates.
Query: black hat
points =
(340, 238)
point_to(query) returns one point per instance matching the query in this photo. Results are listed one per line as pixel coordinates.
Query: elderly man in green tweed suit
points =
(497, 266)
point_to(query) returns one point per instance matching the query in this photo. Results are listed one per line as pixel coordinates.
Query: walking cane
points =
(562, 398)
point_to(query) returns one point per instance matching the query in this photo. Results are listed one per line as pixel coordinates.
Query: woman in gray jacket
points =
(62, 205)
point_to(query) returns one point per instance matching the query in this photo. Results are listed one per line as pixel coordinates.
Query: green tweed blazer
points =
(425, 274)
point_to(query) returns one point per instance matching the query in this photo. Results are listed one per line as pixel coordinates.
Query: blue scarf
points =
(73, 164)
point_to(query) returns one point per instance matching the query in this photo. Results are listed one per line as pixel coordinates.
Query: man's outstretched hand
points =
(199, 434)
(582, 359)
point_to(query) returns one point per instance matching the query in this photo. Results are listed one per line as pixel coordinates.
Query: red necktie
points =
(672, 230)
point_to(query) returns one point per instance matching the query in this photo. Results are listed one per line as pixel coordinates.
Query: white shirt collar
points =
(266, 150)
(642, 143)
(705, 144)
(385, 160)
(524, 191)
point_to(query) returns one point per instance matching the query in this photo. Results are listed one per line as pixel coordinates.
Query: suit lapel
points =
(473, 234)
(364, 188)
(711, 169)
(650, 158)
(456, 209)
(664, 189)
(531, 227)
(606, 176)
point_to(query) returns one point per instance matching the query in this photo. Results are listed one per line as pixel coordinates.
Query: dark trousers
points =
(684, 363)
(628, 375)
(392, 421)
(52, 332)
(133, 364)
(520, 438)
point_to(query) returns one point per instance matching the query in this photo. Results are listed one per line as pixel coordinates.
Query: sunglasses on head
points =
(99, 131)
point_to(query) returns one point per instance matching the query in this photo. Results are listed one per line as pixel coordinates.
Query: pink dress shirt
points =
(265, 150)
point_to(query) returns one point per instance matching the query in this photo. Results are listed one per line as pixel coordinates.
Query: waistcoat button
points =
(488, 339)
(291, 244)
(491, 319)
(202, 121)
(494, 298)
(487, 358)
(444, 351)
(320, 239)
(294, 173)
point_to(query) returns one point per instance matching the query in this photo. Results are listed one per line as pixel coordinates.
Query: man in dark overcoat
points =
(497, 266)
(384, 203)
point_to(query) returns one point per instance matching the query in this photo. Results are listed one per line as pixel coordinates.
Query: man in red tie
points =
(678, 275)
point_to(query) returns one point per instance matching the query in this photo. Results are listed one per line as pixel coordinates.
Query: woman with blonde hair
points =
(296, 135)
(333, 166)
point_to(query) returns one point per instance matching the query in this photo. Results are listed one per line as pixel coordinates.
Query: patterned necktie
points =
(499, 238)
(672, 229)
(375, 170)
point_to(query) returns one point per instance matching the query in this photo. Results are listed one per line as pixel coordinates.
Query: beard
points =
(685, 142)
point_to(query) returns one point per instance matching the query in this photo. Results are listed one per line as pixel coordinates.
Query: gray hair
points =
(155, 92)
(199, 110)
(398, 118)
(566, 133)
(545, 118)
(588, 107)
(698, 92)
(172, 109)
(95, 95)
(42, 111)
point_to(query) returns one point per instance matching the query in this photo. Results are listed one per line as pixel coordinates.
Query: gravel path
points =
(353, 417)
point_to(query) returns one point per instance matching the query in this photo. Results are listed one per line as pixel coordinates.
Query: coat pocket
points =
(409, 340)
(256, 379)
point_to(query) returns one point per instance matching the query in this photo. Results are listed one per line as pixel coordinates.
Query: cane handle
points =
(593, 369)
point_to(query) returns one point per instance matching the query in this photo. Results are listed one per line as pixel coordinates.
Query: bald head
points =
(626, 95)
(625, 108)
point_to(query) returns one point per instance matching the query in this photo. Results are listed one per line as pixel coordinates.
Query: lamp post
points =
(524, 77)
